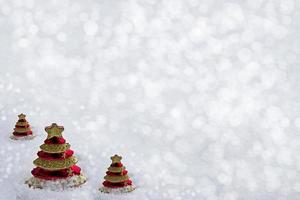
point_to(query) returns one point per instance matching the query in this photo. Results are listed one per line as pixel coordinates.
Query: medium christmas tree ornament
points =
(22, 130)
(116, 179)
(56, 167)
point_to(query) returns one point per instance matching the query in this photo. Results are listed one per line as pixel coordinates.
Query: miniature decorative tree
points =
(55, 165)
(22, 129)
(116, 179)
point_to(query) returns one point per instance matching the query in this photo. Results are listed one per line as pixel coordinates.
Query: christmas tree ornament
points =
(56, 167)
(22, 130)
(116, 179)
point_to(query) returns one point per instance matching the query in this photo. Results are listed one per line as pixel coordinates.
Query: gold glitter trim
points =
(54, 130)
(116, 179)
(116, 169)
(21, 116)
(22, 123)
(116, 159)
(55, 164)
(55, 148)
(21, 130)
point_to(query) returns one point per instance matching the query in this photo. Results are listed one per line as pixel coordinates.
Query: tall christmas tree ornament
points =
(22, 129)
(56, 167)
(116, 179)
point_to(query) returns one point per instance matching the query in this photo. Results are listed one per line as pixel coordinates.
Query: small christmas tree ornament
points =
(22, 130)
(116, 179)
(56, 167)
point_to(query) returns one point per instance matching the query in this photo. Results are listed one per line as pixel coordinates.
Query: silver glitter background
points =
(201, 98)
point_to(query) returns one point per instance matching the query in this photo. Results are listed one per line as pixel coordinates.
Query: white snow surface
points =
(200, 97)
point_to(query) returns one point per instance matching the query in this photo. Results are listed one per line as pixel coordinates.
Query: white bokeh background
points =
(201, 98)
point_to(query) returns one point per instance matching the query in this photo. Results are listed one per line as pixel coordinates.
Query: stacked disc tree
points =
(117, 179)
(22, 129)
(56, 165)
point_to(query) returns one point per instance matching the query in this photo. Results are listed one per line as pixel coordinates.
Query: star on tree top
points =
(116, 159)
(21, 116)
(54, 130)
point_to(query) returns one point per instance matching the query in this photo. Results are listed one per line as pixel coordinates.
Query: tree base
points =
(61, 184)
(125, 189)
(26, 137)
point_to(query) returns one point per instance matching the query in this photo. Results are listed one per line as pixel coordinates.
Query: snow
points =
(200, 98)
(56, 185)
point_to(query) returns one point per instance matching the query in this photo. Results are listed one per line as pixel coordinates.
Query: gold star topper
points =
(21, 116)
(54, 130)
(116, 159)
